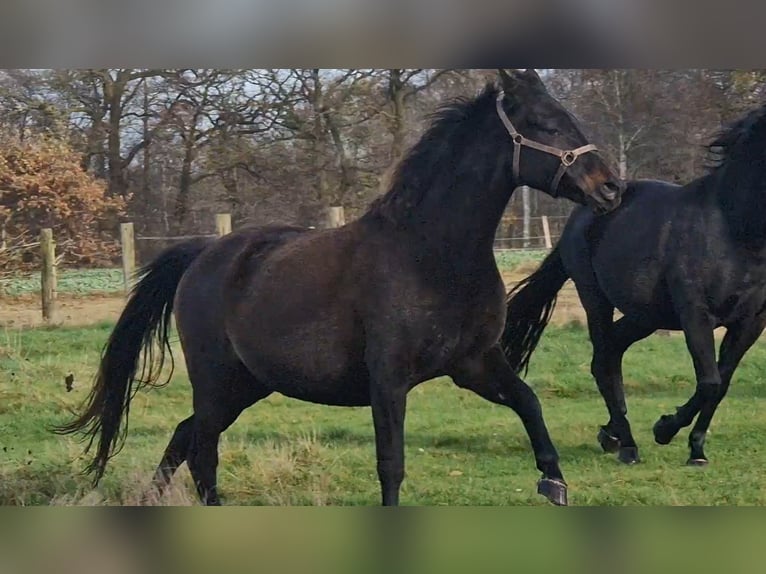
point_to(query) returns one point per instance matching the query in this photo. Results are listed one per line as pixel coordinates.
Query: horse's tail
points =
(530, 305)
(142, 326)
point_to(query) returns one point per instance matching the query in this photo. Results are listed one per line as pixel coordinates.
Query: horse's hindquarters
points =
(291, 318)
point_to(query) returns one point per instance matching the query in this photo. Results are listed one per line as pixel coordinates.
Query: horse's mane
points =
(426, 160)
(738, 170)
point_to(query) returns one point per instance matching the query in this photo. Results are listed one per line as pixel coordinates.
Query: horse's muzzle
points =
(609, 196)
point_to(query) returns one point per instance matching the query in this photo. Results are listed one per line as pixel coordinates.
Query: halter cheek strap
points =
(567, 157)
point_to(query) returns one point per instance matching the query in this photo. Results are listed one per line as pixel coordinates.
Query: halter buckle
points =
(568, 158)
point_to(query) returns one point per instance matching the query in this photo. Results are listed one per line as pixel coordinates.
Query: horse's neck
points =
(743, 203)
(450, 192)
(463, 222)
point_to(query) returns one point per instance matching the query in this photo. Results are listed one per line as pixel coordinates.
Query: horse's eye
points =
(548, 129)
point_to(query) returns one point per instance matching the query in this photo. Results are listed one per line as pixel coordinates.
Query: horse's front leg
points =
(698, 331)
(388, 399)
(738, 339)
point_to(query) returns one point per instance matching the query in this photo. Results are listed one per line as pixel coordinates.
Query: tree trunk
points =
(622, 152)
(622, 160)
(230, 184)
(184, 186)
(164, 197)
(396, 93)
(113, 92)
(146, 172)
(346, 175)
(94, 159)
(318, 148)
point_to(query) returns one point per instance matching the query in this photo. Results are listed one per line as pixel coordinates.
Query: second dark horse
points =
(688, 258)
(361, 314)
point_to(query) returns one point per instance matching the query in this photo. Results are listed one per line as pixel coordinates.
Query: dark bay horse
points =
(361, 314)
(688, 258)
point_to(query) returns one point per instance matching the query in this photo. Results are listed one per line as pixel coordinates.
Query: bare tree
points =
(403, 84)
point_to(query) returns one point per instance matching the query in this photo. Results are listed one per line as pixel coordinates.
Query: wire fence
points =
(517, 243)
(170, 238)
(539, 232)
(513, 250)
(146, 247)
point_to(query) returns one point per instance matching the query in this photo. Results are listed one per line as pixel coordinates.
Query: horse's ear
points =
(510, 81)
(533, 76)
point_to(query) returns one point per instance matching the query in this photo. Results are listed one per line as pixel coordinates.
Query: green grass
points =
(508, 260)
(460, 449)
(71, 281)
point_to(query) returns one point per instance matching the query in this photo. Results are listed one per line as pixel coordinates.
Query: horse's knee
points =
(709, 390)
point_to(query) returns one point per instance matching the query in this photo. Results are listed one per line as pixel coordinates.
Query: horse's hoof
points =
(554, 490)
(662, 433)
(608, 442)
(697, 462)
(628, 455)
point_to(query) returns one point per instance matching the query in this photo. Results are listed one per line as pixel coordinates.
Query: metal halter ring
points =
(567, 157)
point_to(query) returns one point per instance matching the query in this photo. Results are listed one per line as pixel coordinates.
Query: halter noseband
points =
(568, 157)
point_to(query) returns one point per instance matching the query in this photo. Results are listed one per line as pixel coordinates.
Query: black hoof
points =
(554, 490)
(608, 442)
(663, 431)
(629, 455)
(697, 462)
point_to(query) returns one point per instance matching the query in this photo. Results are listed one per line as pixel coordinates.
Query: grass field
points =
(71, 281)
(460, 450)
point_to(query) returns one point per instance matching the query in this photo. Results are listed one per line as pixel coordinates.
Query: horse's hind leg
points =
(736, 342)
(624, 332)
(492, 378)
(610, 340)
(698, 331)
(221, 393)
(175, 455)
(218, 402)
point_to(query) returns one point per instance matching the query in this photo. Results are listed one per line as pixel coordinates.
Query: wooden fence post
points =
(48, 275)
(223, 224)
(336, 217)
(128, 243)
(547, 233)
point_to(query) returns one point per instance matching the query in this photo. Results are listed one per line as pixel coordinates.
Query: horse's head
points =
(548, 149)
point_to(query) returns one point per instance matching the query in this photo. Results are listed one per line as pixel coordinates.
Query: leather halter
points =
(568, 157)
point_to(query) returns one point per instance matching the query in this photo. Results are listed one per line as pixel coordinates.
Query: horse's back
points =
(624, 253)
(641, 197)
(647, 205)
(200, 299)
(291, 315)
